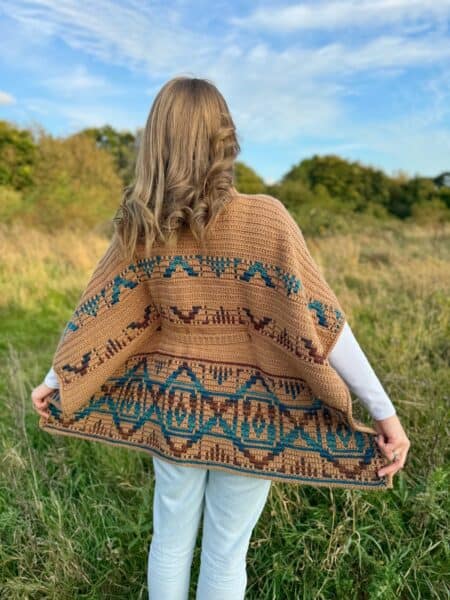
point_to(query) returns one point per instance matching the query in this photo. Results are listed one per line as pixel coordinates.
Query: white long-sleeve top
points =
(349, 360)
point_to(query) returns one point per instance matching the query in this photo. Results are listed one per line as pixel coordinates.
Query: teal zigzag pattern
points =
(173, 400)
(252, 272)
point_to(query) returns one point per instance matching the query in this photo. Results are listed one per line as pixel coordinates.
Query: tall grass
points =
(76, 516)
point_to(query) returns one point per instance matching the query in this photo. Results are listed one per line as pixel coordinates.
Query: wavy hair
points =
(184, 171)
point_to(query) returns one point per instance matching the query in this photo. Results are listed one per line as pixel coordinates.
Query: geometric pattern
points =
(257, 273)
(238, 316)
(253, 423)
(124, 283)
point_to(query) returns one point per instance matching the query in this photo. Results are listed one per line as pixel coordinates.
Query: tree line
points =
(77, 181)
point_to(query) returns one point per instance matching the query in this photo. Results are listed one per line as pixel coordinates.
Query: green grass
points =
(76, 516)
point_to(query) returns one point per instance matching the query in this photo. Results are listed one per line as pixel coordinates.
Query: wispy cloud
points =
(280, 88)
(154, 40)
(336, 15)
(6, 98)
(131, 34)
(77, 80)
(86, 113)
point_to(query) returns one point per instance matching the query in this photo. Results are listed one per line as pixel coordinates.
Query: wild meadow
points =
(76, 515)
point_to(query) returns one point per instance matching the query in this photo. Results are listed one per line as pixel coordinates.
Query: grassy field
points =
(76, 516)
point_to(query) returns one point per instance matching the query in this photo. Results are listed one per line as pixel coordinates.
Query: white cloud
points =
(130, 34)
(326, 15)
(76, 80)
(84, 114)
(151, 40)
(6, 98)
(276, 92)
(302, 91)
(381, 52)
(418, 148)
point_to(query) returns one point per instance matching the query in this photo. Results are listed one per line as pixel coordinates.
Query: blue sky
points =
(368, 80)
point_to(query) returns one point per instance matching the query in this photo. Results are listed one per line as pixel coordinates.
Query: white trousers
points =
(231, 505)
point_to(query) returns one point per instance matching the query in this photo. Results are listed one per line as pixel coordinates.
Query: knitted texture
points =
(217, 356)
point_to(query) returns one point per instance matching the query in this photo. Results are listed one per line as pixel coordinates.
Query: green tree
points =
(247, 181)
(405, 194)
(76, 184)
(351, 183)
(12, 204)
(444, 194)
(17, 156)
(122, 145)
(430, 211)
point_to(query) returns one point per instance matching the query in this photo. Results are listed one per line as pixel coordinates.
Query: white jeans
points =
(232, 505)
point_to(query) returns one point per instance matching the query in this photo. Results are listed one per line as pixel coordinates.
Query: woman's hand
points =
(393, 442)
(39, 397)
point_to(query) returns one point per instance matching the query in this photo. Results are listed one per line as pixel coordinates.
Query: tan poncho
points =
(217, 356)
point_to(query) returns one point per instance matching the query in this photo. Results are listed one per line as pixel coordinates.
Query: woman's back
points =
(217, 356)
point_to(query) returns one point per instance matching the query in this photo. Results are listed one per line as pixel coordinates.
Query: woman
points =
(208, 337)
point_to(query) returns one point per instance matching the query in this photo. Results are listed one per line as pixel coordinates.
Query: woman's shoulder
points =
(264, 207)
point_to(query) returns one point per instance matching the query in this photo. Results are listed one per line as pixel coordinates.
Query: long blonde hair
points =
(184, 171)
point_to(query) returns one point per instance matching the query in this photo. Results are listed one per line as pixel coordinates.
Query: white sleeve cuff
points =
(51, 379)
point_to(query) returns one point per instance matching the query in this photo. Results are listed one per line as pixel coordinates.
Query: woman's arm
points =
(349, 360)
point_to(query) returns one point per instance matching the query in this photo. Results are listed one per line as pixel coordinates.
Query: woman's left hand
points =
(39, 397)
(393, 442)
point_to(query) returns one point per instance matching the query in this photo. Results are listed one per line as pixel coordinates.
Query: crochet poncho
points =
(217, 356)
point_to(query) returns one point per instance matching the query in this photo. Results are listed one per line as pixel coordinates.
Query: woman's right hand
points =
(40, 399)
(392, 439)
